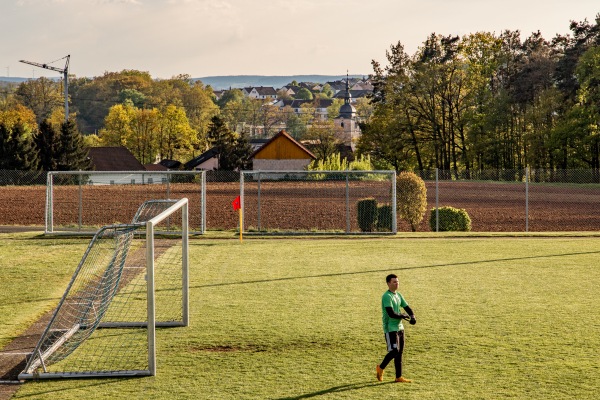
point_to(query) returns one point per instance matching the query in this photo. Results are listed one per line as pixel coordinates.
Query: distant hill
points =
(12, 80)
(241, 81)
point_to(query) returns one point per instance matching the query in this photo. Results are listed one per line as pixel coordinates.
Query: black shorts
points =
(395, 340)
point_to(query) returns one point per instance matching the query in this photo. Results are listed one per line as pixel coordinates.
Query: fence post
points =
(526, 199)
(80, 211)
(394, 211)
(258, 199)
(49, 204)
(203, 202)
(241, 223)
(437, 198)
(168, 185)
(347, 203)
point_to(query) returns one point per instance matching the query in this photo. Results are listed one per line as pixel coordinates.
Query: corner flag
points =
(236, 203)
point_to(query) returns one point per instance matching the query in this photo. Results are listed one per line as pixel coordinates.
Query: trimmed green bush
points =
(411, 198)
(384, 218)
(450, 219)
(367, 214)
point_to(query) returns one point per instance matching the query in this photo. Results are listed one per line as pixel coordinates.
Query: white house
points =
(320, 106)
(260, 92)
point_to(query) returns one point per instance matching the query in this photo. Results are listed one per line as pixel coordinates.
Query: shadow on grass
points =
(335, 389)
(386, 270)
(56, 392)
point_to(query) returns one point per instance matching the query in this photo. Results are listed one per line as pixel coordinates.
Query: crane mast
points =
(64, 71)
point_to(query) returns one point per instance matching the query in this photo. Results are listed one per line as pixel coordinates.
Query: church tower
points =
(347, 119)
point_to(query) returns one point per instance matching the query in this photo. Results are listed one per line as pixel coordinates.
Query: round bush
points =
(450, 219)
(367, 214)
(411, 198)
(384, 218)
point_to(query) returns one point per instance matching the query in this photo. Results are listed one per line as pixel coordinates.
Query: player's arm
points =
(411, 315)
(392, 314)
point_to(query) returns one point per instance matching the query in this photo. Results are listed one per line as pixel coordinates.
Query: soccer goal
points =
(84, 201)
(131, 279)
(313, 202)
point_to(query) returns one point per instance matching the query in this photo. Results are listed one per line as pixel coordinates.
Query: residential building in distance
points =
(319, 106)
(115, 158)
(281, 153)
(260, 92)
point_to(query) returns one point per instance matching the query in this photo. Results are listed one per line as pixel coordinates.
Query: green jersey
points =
(396, 301)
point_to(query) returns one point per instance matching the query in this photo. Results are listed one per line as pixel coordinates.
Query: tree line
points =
(177, 118)
(487, 101)
(481, 101)
(47, 147)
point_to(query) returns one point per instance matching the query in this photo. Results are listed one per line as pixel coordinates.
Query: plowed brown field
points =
(493, 207)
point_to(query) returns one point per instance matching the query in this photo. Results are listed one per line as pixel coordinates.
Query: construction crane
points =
(64, 71)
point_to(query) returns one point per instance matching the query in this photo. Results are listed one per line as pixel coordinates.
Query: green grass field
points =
(300, 318)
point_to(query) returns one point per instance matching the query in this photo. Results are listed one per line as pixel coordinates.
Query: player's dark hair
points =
(390, 277)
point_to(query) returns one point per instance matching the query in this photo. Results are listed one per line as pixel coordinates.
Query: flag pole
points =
(241, 223)
(237, 205)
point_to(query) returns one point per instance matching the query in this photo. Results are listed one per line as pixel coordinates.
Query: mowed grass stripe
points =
(297, 319)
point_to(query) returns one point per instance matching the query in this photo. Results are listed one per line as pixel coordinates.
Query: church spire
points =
(347, 95)
(347, 110)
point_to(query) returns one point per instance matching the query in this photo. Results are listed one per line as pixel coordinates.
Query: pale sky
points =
(251, 37)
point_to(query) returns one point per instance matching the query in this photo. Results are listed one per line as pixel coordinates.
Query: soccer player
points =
(391, 302)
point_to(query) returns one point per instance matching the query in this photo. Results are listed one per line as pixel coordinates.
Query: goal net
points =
(132, 278)
(312, 202)
(84, 201)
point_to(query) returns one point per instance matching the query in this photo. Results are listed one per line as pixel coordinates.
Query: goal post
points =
(131, 279)
(83, 201)
(317, 202)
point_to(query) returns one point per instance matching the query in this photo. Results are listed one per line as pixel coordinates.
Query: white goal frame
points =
(87, 217)
(348, 183)
(36, 359)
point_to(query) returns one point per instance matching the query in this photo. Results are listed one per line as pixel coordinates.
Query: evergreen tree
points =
(16, 149)
(72, 154)
(233, 150)
(47, 143)
(240, 155)
(5, 151)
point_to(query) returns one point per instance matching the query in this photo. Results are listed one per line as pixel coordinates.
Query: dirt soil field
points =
(302, 206)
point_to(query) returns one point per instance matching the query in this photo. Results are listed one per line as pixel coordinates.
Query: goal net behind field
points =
(84, 201)
(132, 278)
(317, 201)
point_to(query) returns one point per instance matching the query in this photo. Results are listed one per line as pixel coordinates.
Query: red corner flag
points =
(236, 203)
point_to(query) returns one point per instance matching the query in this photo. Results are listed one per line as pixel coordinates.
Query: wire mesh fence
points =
(82, 201)
(495, 200)
(319, 201)
(517, 200)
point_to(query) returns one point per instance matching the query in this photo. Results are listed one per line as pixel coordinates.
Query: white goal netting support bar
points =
(131, 279)
(318, 202)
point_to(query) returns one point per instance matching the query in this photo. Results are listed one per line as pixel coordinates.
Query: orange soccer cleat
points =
(379, 374)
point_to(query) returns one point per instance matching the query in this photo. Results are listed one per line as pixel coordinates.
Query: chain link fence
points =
(319, 201)
(495, 201)
(82, 201)
(517, 200)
